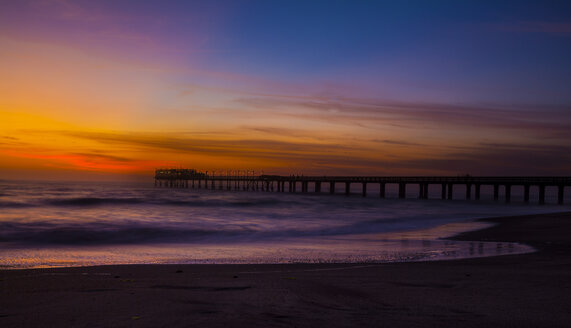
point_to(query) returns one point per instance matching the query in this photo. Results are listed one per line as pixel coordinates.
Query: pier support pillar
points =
(423, 191)
(508, 193)
(496, 191)
(443, 196)
(402, 190)
(317, 186)
(541, 194)
(560, 194)
(304, 186)
(364, 189)
(450, 190)
(477, 191)
(331, 187)
(526, 193)
(468, 191)
(347, 188)
(382, 190)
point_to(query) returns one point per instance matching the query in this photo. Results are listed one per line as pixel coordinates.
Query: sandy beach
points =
(528, 290)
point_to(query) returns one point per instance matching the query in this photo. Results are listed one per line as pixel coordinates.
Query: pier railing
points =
(234, 180)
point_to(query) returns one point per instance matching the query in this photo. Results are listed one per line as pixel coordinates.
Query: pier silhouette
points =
(249, 181)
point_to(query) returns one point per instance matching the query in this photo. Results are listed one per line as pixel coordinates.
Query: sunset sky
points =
(102, 89)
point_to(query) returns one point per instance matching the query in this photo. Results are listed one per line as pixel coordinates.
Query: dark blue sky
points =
(511, 51)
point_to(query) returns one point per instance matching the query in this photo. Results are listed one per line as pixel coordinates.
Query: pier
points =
(189, 178)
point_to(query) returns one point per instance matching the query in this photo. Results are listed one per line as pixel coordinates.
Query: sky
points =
(109, 89)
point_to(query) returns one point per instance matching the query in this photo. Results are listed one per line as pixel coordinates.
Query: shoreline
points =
(540, 231)
(395, 242)
(530, 289)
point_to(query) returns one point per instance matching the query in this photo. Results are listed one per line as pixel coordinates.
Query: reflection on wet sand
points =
(420, 245)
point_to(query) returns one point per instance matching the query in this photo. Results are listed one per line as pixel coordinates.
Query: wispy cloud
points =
(82, 161)
(553, 28)
(202, 145)
(544, 121)
(398, 142)
(501, 159)
(480, 159)
(97, 155)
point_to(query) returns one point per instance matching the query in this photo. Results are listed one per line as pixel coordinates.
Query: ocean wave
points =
(97, 233)
(9, 204)
(93, 201)
(35, 233)
(193, 202)
(98, 201)
(218, 202)
(45, 233)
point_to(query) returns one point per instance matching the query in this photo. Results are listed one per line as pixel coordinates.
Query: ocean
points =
(47, 224)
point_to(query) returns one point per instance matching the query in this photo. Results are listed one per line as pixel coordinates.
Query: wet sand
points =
(526, 290)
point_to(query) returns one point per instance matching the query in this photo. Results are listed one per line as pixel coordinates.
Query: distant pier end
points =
(248, 181)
